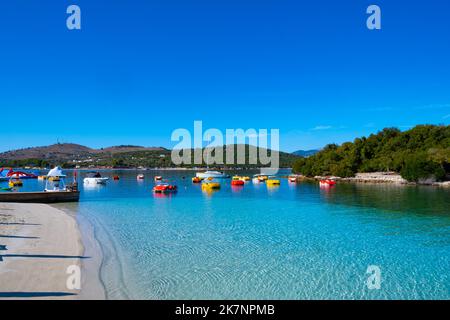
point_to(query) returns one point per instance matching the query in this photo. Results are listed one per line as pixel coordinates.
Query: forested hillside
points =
(421, 152)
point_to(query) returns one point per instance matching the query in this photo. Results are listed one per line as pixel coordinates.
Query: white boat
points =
(211, 174)
(55, 181)
(94, 178)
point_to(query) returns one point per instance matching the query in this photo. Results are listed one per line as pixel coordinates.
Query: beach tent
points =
(56, 172)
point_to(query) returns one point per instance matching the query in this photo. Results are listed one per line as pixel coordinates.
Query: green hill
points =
(421, 152)
(73, 155)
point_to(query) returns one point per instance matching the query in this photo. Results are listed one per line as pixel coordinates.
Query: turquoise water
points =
(288, 242)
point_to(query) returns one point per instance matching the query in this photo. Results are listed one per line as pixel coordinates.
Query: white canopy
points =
(56, 172)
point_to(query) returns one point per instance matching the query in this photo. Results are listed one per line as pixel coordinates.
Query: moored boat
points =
(258, 178)
(273, 181)
(140, 177)
(55, 180)
(196, 180)
(164, 188)
(94, 178)
(158, 178)
(211, 174)
(242, 178)
(237, 182)
(327, 183)
(210, 185)
(15, 182)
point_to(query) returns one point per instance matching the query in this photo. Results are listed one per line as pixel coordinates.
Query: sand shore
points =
(39, 245)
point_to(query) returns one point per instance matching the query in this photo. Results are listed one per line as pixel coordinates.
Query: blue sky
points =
(140, 69)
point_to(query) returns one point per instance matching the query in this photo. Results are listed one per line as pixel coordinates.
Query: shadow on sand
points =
(43, 256)
(17, 237)
(18, 224)
(34, 294)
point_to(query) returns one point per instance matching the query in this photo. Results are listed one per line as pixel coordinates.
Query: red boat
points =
(237, 182)
(327, 183)
(164, 188)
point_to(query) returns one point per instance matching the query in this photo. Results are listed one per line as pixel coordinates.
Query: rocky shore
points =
(384, 177)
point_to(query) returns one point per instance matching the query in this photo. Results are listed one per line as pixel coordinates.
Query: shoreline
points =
(92, 287)
(380, 178)
(42, 246)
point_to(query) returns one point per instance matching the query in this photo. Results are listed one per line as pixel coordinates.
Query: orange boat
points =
(116, 178)
(164, 188)
(196, 180)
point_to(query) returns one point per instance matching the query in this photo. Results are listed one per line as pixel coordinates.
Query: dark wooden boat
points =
(40, 197)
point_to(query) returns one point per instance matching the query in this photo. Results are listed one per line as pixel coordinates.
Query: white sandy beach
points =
(38, 244)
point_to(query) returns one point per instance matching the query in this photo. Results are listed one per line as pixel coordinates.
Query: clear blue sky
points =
(140, 68)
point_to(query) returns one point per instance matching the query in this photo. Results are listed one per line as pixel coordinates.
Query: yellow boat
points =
(42, 177)
(210, 185)
(54, 179)
(259, 178)
(15, 183)
(242, 178)
(272, 181)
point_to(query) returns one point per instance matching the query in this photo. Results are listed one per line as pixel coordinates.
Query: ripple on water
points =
(292, 243)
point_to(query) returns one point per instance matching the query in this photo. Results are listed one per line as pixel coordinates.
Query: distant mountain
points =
(55, 151)
(124, 156)
(305, 153)
(128, 148)
(70, 151)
